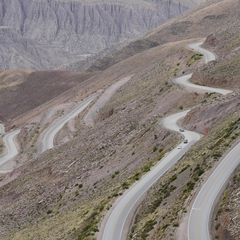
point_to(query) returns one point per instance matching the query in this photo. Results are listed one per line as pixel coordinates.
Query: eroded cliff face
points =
(62, 31)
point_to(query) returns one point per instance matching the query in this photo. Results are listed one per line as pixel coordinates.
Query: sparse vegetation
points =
(197, 161)
(226, 210)
(90, 226)
(49, 184)
(194, 58)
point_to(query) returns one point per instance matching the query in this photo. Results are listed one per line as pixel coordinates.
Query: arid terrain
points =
(50, 34)
(65, 192)
(227, 214)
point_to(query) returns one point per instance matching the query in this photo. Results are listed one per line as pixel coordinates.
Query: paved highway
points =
(47, 140)
(116, 223)
(203, 206)
(201, 211)
(115, 226)
(184, 81)
(10, 147)
(208, 56)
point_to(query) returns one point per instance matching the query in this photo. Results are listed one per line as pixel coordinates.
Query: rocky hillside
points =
(42, 34)
(65, 192)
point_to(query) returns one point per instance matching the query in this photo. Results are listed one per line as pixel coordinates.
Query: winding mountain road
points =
(185, 83)
(208, 56)
(203, 206)
(47, 139)
(116, 222)
(10, 147)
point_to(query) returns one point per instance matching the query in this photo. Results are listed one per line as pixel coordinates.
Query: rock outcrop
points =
(43, 34)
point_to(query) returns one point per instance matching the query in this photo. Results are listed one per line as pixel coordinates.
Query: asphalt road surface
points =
(201, 211)
(208, 56)
(184, 81)
(203, 206)
(115, 226)
(47, 140)
(10, 148)
(116, 223)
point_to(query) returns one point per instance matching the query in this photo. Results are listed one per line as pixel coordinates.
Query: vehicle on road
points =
(185, 141)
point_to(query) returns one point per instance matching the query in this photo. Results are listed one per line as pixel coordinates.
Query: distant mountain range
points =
(45, 34)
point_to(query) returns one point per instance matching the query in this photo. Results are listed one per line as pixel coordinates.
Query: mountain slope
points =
(65, 192)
